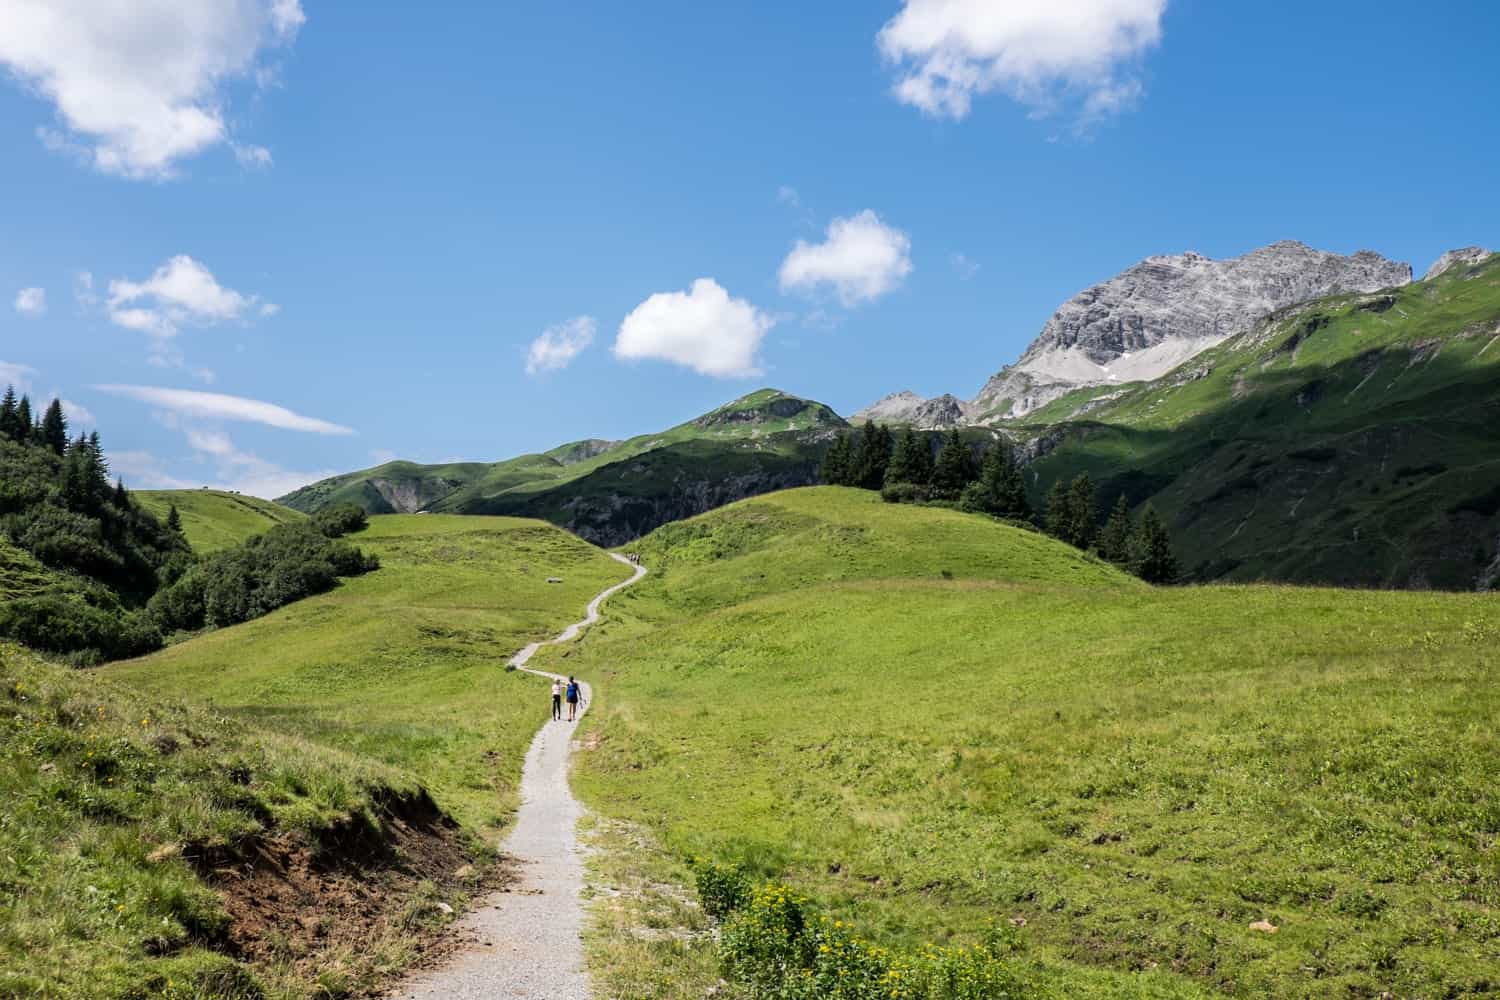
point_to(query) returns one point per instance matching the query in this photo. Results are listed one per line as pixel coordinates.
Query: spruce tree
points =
(911, 462)
(1013, 495)
(1058, 520)
(874, 456)
(24, 428)
(1118, 536)
(836, 462)
(55, 428)
(1000, 491)
(8, 415)
(954, 469)
(174, 519)
(121, 497)
(1081, 508)
(1155, 561)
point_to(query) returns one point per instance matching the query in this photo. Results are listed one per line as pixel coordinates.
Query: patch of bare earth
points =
(365, 899)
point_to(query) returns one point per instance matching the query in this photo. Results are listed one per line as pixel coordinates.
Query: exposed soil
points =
(289, 899)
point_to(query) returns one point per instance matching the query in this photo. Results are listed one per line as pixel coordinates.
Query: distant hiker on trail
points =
(573, 693)
(557, 692)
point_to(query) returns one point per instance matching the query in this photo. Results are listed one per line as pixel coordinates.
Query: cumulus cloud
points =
(31, 301)
(218, 406)
(702, 329)
(182, 292)
(224, 465)
(559, 345)
(140, 86)
(1042, 53)
(861, 259)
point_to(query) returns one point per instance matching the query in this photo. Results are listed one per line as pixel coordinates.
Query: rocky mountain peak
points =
(909, 409)
(1162, 311)
(1453, 258)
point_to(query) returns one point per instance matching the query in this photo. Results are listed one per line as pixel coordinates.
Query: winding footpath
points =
(529, 937)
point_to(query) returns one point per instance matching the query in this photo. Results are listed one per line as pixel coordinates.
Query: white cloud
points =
(787, 195)
(140, 86)
(252, 157)
(218, 406)
(181, 292)
(83, 290)
(862, 259)
(16, 375)
(236, 470)
(1042, 53)
(965, 267)
(559, 345)
(79, 415)
(702, 329)
(31, 301)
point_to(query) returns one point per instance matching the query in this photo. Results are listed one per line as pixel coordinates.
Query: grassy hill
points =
(213, 519)
(931, 721)
(406, 665)
(1347, 441)
(605, 491)
(152, 849)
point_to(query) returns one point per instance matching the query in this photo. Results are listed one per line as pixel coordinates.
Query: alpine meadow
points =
(985, 500)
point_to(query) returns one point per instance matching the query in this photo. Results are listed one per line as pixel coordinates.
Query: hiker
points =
(557, 692)
(573, 693)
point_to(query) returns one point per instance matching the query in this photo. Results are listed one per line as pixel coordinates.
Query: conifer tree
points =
(836, 462)
(1155, 562)
(1000, 491)
(874, 456)
(954, 469)
(55, 428)
(8, 415)
(121, 497)
(1058, 518)
(24, 428)
(1081, 508)
(911, 462)
(174, 519)
(1118, 537)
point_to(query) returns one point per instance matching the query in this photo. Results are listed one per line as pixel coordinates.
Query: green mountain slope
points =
(213, 519)
(609, 492)
(934, 723)
(1349, 440)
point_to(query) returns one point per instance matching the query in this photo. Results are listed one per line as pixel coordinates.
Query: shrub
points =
(341, 519)
(905, 493)
(777, 945)
(722, 888)
(66, 623)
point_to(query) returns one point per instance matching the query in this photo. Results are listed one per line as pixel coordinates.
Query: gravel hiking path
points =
(528, 938)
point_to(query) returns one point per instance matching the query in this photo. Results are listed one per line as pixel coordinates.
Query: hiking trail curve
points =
(528, 937)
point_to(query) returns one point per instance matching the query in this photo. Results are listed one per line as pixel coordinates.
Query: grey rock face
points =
(1159, 313)
(1466, 255)
(909, 409)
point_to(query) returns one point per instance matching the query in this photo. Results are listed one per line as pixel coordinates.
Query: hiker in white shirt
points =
(557, 691)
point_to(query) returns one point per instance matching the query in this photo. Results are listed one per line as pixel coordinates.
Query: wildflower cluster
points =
(780, 947)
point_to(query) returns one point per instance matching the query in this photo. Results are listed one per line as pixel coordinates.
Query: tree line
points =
(905, 470)
(121, 578)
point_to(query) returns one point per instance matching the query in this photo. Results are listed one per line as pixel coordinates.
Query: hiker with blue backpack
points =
(575, 693)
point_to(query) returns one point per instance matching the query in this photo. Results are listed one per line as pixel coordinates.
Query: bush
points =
(777, 944)
(66, 623)
(341, 519)
(905, 493)
(722, 888)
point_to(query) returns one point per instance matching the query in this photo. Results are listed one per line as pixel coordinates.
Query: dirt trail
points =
(529, 937)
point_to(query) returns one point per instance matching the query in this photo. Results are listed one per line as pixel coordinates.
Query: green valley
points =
(931, 722)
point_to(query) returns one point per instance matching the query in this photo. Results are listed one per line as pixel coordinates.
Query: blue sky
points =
(349, 222)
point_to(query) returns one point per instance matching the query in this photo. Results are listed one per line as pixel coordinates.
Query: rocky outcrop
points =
(909, 409)
(1453, 258)
(407, 496)
(581, 451)
(1163, 311)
